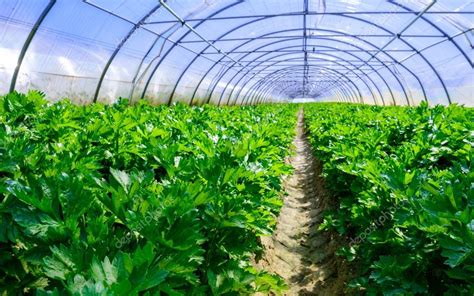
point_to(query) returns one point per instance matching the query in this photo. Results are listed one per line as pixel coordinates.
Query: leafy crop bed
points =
(143, 200)
(120, 200)
(405, 185)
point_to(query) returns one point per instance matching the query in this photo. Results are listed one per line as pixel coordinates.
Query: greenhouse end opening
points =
(231, 147)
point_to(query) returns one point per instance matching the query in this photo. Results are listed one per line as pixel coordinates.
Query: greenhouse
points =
(238, 147)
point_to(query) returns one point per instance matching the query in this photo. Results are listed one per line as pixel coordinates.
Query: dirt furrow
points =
(298, 251)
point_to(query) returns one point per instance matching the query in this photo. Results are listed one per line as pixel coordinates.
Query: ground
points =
(300, 253)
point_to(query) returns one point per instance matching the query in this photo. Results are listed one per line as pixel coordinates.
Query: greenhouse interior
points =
(236, 147)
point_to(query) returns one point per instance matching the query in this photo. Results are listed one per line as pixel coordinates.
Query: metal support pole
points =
(27, 43)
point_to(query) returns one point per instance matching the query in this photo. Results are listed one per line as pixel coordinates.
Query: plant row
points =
(137, 200)
(403, 179)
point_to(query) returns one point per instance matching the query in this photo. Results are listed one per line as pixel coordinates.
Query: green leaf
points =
(122, 178)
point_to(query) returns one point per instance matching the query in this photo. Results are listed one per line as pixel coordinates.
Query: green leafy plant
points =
(138, 200)
(403, 178)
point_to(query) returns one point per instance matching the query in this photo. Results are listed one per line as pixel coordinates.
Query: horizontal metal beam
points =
(301, 51)
(300, 13)
(309, 37)
(321, 52)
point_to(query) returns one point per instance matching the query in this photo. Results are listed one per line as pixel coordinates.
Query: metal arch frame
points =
(317, 59)
(360, 48)
(337, 91)
(137, 73)
(330, 47)
(348, 91)
(287, 84)
(170, 99)
(335, 40)
(266, 80)
(256, 94)
(338, 94)
(319, 53)
(305, 16)
(291, 86)
(357, 19)
(119, 47)
(51, 3)
(395, 76)
(417, 51)
(236, 98)
(152, 74)
(342, 93)
(295, 38)
(27, 43)
(295, 83)
(438, 28)
(345, 89)
(140, 65)
(367, 42)
(319, 67)
(323, 59)
(246, 24)
(159, 36)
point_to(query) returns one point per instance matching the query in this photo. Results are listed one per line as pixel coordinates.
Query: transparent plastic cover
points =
(381, 52)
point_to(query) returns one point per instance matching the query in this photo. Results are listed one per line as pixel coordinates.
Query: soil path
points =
(297, 251)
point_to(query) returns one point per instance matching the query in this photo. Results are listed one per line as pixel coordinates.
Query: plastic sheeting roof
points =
(240, 51)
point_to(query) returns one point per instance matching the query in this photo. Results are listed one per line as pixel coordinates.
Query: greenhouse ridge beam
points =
(27, 43)
(305, 44)
(326, 35)
(301, 51)
(309, 13)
